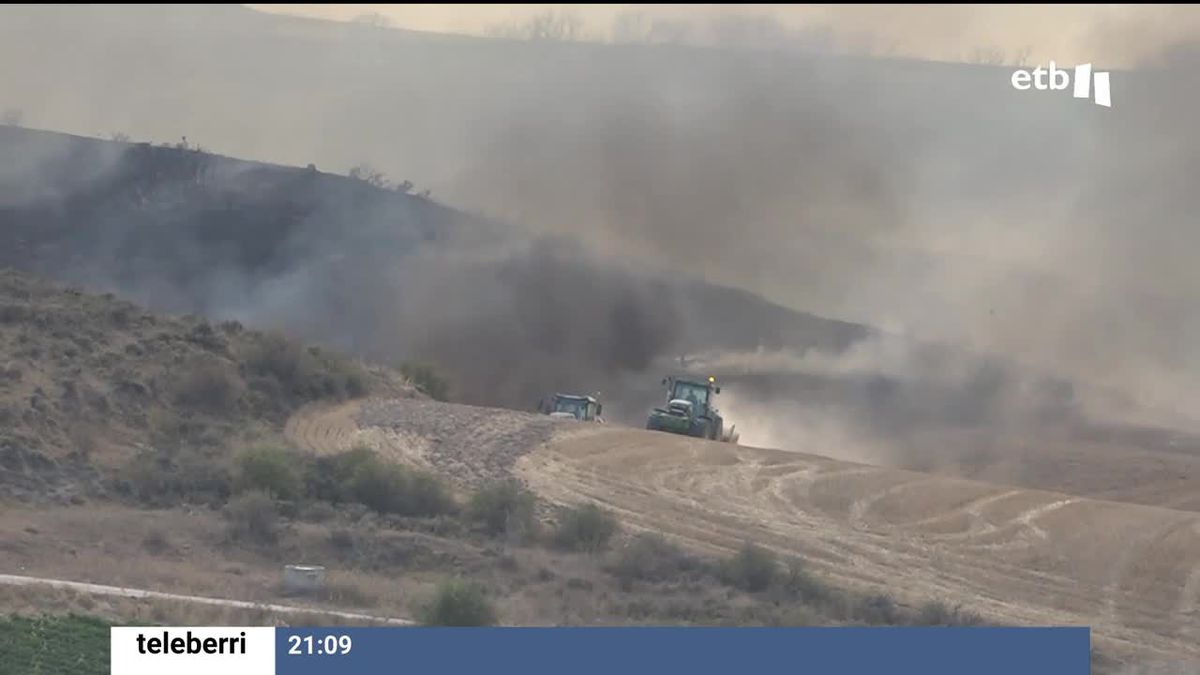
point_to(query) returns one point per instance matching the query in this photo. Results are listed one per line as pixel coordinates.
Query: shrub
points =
(354, 381)
(425, 378)
(156, 542)
(799, 617)
(333, 376)
(503, 507)
(799, 582)
(426, 495)
(638, 610)
(330, 477)
(177, 433)
(752, 568)
(209, 387)
(121, 315)
(307, 374)
(585, 528)
(15, 313)
(650, 557)
(163, 478)
(360, 476)
(205, 336)
(342, 539)
(877, 610)
(317, 512)
(203, 476)
(377, 486)
(275, 471)
(939, 614)
(350, 594)
(369, 175)
(142, 477)
(391, 488)
(278, 357)
(253, 517)
(457, 603)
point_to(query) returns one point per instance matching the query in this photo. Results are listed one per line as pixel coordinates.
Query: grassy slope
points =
(87, 380)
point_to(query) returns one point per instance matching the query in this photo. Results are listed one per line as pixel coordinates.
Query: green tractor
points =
(689, 411)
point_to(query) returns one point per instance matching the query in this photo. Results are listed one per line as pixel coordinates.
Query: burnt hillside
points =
(380, 272)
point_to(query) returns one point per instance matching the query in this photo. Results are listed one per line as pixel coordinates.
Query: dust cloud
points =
(1039, 229)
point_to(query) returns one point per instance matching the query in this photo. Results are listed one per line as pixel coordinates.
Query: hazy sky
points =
(1110, 35)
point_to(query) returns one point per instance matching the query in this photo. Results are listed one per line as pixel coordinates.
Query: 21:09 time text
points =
(330, 644)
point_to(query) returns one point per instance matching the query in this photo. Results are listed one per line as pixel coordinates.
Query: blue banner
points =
(691, 651)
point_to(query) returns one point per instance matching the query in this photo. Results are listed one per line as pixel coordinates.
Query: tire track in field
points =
(1021, 556)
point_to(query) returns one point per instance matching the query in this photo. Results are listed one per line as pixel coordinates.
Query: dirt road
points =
(138, 593)
(1024, 556)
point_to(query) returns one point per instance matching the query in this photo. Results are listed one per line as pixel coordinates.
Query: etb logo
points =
(1053, 78)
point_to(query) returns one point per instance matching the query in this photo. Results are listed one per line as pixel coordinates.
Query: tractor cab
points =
(570, 406)
(697, 395)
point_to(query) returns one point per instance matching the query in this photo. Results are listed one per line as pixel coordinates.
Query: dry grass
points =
(107, 544)
(376, 565)
(87, 379)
